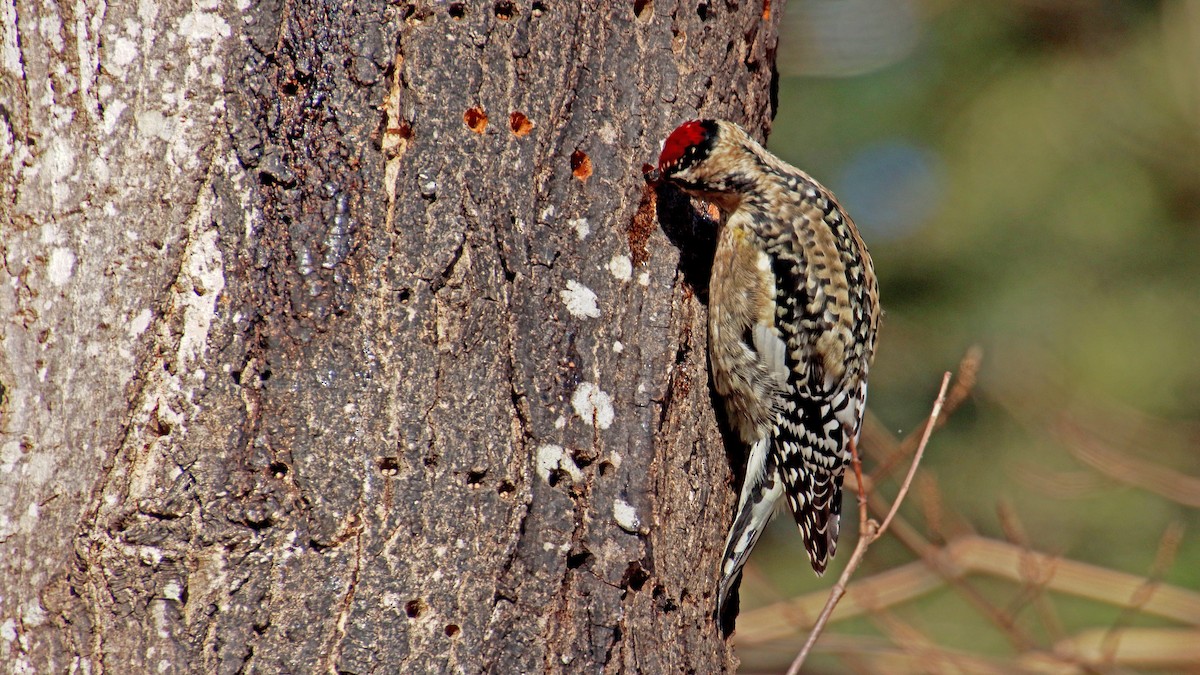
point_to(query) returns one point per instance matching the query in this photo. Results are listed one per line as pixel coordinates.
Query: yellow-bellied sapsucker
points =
(792, 315)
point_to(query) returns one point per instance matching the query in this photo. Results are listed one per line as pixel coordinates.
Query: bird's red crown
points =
(688, 135)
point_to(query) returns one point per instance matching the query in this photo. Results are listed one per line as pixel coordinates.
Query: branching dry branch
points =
(869, 531)
(951, 556)
(1168, 547)
(974, 555)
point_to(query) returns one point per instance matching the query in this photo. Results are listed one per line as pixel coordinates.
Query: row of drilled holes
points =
(414, 608)
(505, 10)
(390, 467)
(477, 120)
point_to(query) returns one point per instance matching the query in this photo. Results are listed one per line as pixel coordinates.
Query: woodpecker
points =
(792, 317)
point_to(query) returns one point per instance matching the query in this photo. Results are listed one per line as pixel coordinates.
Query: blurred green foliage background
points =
(1027, 176)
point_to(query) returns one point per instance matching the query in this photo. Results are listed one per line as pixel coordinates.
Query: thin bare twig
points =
(912, 468)
(870, 531)
(1168, 547)
(935, 560)
(964, 383)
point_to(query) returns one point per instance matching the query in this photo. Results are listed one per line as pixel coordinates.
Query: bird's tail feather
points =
(760, 492)
(815, 497)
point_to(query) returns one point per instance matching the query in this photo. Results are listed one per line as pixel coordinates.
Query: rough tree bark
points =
(342, 336)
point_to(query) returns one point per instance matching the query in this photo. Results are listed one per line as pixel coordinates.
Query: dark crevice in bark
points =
(339, 623)
(613, 646)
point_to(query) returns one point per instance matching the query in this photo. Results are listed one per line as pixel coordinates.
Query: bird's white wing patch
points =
(771, 350)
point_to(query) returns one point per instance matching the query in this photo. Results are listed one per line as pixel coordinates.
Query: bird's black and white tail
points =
(804, 462)
(760, 492)
(812, 458)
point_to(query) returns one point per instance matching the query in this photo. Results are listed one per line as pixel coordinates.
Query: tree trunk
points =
(343, 337)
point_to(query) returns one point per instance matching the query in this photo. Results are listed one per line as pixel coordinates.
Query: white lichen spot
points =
(644, 278)
(29, 521)
(618, 346)
(59, 169)
(581, 226)
(123, 52)
(50, 27)
(139, 323)
(112, 114)
(8, 630)
(10, 51)
(608, 133)
(626, 516)
(60, 160)
(559, 423)
(10, 454)
(593, 405)
(548, 546)
(99, 169)
(173, 591)
(153, 124)
(41, 468)
(61, 265)
(51, 234)
(547, 214)
(197, 26)
(32, 614)
(615, 459)
(580, 300)
(204, 264)
(150, 555)
(161, 622)
(621, 267)
(552, 458)
(148, 11)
